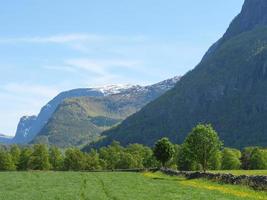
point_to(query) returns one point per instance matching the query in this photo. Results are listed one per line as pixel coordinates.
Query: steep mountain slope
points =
(228, 89)
(78, 121)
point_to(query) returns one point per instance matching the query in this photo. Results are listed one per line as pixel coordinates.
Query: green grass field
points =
(242, 172)
(114, 186)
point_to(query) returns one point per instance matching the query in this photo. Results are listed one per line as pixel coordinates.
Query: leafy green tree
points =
(202, 143)
(231, 159)
(215, 162)
(55, 158)
(127, 161)
(184, 161)
(142, 155)
(111, 154)
(92, 161)
(74, 160)
(15, 154)
(152, 162)
(258, 159)
(173, 163)
(24, 158)
(6, 161)
(246, 156)
(163, 151)
(39, 159)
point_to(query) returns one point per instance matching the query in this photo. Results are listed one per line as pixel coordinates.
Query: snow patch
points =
(114, 89)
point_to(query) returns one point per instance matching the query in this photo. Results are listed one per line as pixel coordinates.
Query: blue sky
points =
(50, 46)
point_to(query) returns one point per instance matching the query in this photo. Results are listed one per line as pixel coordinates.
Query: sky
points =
(55, 45)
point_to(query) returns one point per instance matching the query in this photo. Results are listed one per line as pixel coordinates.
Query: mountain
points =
(78, 121)
(227, 89)
(5, 139)
(29, 126)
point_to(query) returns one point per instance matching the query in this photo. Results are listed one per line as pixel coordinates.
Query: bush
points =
(231, 159)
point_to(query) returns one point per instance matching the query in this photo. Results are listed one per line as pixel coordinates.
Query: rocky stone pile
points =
(256, 182)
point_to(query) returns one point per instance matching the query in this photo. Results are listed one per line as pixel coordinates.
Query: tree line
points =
(201, 150)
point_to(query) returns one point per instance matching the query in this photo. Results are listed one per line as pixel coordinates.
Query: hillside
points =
(80, 120)
(227, 89)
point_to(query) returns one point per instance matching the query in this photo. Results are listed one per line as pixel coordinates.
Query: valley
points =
(200, 135)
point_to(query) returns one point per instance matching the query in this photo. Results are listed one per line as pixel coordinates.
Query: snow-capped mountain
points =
(114, 89)
(30, 126)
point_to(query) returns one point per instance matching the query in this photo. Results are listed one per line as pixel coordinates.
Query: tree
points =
(24, 158)
(163, 151)
(231, 159)
(215, 162)
(55, 158)
(92, 161)
(258, 159)
(6, 162)
(126, 161)
(184, 161)
(74, 160)
(202, 143)
(111, 155)
(39, 159)
(246, 156)
(141, 155)
(15, 154)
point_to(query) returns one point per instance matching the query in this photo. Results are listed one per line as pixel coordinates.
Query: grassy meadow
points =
(114, 186)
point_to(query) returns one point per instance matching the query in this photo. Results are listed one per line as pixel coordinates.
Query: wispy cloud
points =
(99, 71)
(100, 66)
(53, 39)
(70, 38)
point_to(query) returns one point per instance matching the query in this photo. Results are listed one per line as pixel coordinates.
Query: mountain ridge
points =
(80, 120)
(30, 126)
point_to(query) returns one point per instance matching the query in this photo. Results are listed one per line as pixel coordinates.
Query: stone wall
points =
(256, 182)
